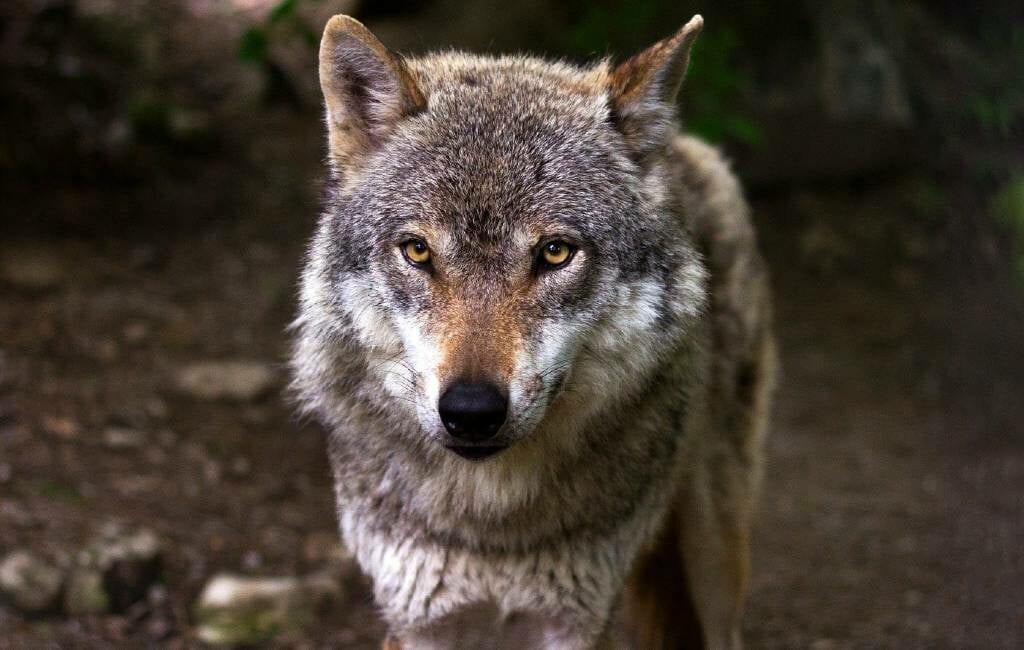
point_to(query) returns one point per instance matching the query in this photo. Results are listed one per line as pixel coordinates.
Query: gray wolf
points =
(534, 320)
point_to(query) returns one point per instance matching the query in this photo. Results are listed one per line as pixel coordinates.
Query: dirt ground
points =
(893, 508)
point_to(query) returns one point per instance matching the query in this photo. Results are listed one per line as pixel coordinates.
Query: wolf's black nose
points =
(472, 412)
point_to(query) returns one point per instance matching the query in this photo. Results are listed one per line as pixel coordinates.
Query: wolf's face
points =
(495, 243)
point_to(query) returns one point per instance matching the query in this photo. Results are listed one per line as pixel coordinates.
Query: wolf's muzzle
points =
(472, 412)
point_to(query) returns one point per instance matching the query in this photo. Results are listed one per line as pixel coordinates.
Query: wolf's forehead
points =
(512, 95)
(505, 146)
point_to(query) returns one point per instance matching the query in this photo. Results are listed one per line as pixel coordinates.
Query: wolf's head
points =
(498, 254)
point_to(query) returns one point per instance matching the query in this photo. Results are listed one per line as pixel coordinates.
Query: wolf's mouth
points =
(475, 452)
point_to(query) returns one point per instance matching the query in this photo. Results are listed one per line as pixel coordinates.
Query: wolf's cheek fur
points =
(422, 357)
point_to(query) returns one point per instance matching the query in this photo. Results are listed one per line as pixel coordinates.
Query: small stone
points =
(156, 408)
(135, 332)
(211, 471)
(15, 514)
(31, 269)
(29, 583)
(235, 610)
(228, 380)
(123, 438)
(240, 467)
(252, 560)
(61, 427)
(85, 594)
(106, 351)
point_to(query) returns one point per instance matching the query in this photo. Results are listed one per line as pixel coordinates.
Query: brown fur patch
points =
(479, 343)
(659, 607)
(366, 87)
(657, 72)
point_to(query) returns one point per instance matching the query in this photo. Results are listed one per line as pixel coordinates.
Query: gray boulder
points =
(238, 610)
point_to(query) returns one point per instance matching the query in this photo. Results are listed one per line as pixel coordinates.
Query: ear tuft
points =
(643, 88)
(367, 90)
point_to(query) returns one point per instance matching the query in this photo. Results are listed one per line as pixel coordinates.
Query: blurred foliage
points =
(994, 111)
(59, 491)
(714, 89)
(282, 19)
(714, 93)
(1007, 207)
(997, 106)
(255, 46)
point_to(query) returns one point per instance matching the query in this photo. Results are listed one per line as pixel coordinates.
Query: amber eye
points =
(556, 253)
(416, 251)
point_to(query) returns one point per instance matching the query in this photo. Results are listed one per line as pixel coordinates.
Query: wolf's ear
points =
(644, 88)
(367, 90)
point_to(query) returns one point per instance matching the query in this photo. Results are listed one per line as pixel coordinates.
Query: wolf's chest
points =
(567, 589)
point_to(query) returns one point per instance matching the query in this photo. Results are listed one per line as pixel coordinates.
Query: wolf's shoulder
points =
(708, 196)
(709, 199)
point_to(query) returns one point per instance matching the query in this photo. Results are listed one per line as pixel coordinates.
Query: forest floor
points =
(893, 508)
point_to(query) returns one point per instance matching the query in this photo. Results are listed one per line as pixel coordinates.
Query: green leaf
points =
(252, 46)
(281, 11)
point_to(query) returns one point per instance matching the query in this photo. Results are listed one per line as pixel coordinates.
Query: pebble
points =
(61, 427)
(31, 268)
(30, 583)
(156, 408)
(225, 380)
(240, 467)
(123, 438)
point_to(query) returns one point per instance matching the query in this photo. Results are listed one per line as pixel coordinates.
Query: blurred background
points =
(160, 164)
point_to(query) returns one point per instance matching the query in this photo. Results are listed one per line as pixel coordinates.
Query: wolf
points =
(534, 319)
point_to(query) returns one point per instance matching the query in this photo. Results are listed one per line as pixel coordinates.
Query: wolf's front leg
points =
(687, 590)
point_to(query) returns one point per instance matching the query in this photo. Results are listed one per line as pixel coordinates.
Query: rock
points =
(240, 467)
(12, 513)
(237, 610)
(123, 438)
(85, 593)
(156, 408)
(31, 269)
(61, 427)
(229, 380)
(135, 333)
(29, 583)
(129, 563)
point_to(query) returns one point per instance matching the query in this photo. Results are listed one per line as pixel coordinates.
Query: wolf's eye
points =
(556, 254)
(416, 251)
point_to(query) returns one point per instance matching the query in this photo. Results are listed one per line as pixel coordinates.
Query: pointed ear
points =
(367, 90)
(644, 88)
